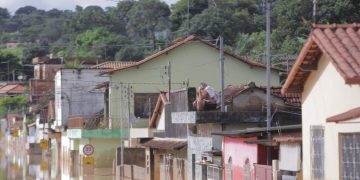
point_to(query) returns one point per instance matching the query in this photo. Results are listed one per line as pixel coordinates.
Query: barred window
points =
(317, 152)
(214, 173)
(350, 156)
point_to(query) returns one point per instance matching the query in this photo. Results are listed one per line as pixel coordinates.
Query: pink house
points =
(240, 157)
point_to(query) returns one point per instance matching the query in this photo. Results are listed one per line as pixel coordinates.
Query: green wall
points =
(194, 62)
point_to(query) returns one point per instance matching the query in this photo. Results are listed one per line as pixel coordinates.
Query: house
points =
(79, 116)
(12, 89)
(185, 63)
(327, 74)
(41, 91)
(208, 152)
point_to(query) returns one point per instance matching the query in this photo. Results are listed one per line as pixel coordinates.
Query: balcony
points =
(194, 117)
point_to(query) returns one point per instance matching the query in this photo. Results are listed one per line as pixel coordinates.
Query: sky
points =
(13, 5)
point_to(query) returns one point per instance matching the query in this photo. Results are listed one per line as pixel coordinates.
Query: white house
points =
(75, 94)
(327, 73)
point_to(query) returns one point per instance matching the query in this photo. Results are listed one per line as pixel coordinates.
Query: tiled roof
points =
(12, 89)
(113, 64)
(291, 99)
(348, 115)
(340, 42)
(166, 143)
(183, 41)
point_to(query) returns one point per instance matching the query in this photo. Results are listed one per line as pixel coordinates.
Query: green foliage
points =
(146, 18)
(73, 64)
(129, 53)
(12, 104)
(99, 41)
(134, 29)
(251, 45)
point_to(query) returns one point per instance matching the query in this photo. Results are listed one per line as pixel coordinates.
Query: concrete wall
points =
(104, 151)
(326, 94)
(197, 146)
(193, 62)
(255, 100)
(75, 94)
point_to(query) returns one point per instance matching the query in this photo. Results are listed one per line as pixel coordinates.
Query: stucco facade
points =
(326, 94)
(193, 62)
(75, 94)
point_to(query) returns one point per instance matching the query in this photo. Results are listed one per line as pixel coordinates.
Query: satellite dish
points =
(20, 77)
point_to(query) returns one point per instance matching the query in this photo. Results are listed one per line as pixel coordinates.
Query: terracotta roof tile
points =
(291, 99)
(341, 42)
(12, 89)
(113, 64)
(348, 115)
(183, 41)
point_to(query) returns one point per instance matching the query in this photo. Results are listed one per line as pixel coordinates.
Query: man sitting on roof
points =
(206, 98)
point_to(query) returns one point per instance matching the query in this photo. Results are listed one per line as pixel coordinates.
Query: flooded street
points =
(16, 163)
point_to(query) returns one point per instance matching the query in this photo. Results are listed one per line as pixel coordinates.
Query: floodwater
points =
(16, 163)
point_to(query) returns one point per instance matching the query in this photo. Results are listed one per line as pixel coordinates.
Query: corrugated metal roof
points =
(166, 143)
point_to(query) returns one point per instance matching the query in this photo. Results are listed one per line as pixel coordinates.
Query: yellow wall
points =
(104, 151)
(193, 61)
(326, 94)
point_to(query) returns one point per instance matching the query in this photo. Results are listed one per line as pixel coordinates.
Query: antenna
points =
(315, 3)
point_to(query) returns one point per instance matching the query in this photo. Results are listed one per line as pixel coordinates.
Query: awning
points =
(250, 131)
(166, 143)
(264, 142)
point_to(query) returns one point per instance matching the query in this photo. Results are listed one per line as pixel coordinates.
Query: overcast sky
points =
(13, 5)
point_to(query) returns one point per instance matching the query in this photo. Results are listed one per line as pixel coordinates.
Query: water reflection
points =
(16, 163)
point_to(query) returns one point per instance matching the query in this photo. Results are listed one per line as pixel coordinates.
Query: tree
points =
(119, 16)
(9, 61)
(12, 104)
(179, 13)
(129, 53)
(147, 18)
(88, 18)
(99, 42)
(25, 10)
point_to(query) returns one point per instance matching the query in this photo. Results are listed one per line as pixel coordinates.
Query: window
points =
(144, 104)
(214, 172)
(350, 156)
(317, 152)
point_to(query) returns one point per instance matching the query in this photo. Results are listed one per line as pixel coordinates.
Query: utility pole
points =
(129, 113)
(121, 134)
(268, 71)
(8, 71)
(315, 2)
(169, 76)
(188, 17)
(222, 73)
(13, 75)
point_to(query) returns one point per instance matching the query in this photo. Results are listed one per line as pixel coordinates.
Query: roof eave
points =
(296, 67)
